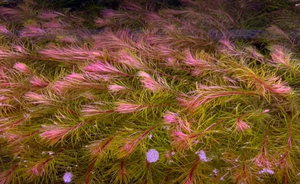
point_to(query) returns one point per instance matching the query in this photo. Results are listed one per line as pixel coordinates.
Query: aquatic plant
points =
(148, 93)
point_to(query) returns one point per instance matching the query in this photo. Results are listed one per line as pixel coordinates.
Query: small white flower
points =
(152, 155)
(68, 177)
(215, 171)
(51, 152)
(202, 156)
(222, 179)
(150, 136)
(172, 153)
(166, 127)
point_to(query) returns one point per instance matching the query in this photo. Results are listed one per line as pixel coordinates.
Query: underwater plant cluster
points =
(150, 92)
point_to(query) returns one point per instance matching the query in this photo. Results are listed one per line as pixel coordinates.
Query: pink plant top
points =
(242, 125)
(37, 170)
(128, 108)
(53, 134)
(32, 31)
(37, 82)
(279, 55)
(170, 117)
(22, 68)
(129, 60)
(115, 88)
(101, 67)
(3, 29)
(19, 48)
(149, 82)
(46, 15)
(152, 155)
(281, 89)
(74, 77)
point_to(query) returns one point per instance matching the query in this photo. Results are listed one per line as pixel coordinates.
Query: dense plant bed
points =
(150, 92)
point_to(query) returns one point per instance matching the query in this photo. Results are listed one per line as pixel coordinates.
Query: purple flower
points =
(68, 177)
(202, 156)
(152, 155)
(267, 171)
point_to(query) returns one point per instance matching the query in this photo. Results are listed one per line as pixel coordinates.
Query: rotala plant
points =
(146, 93)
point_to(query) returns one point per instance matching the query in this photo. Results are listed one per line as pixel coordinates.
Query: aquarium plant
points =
(149, 92)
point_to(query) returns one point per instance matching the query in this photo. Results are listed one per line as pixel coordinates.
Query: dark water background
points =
(82, 4)
(244, 33)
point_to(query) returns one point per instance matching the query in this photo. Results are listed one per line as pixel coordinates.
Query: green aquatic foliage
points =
(146, 94)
